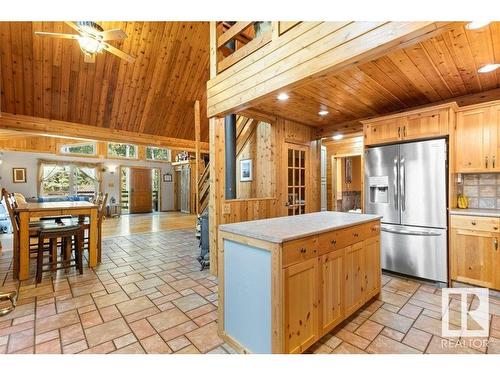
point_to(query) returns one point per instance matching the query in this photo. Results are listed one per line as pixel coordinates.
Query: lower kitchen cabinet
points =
(321, 292)
(301, 309)
(332, 289)
(475, 258)
(371, 248)
(355, 284)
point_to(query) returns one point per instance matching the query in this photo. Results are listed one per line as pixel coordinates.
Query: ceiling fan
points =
(92, 39)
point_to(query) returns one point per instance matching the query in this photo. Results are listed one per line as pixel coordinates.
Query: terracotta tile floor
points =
(406, 318)
(148, 296)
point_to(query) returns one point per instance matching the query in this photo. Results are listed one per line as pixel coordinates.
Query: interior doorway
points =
(140, 190)
(347, 183)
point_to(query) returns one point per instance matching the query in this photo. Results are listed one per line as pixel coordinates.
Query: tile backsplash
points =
(483, 190)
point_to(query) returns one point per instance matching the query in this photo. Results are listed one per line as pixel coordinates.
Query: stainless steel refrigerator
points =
(406, 184)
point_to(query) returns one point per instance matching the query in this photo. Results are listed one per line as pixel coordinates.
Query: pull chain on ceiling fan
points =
(92, 39)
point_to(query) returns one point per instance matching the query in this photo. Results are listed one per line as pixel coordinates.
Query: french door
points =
(297, 178)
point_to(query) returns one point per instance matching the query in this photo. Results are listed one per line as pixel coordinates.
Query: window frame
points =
(61, 152)
(109, 156)
(158, 160)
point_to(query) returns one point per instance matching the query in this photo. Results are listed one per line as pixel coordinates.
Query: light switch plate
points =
(226, 210)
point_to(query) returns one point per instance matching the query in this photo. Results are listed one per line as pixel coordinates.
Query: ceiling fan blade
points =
(88, 58)
(117, 52)
(72, 25)
(57, 35)
(115, 34)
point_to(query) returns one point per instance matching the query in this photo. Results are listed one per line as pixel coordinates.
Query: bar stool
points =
(67, 233)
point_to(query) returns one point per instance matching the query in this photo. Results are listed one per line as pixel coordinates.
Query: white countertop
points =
(287, 228)
(475, 212)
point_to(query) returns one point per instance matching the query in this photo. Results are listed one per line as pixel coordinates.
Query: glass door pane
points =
(296, 179)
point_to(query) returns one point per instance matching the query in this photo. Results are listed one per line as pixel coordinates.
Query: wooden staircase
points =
(204, 188)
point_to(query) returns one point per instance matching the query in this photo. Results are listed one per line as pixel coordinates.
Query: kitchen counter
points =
(475, 212)
(287, 228)
(287, 282)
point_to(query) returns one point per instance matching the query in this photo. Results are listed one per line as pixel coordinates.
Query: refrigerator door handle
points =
(410, 232)
(402, 182)
(396, 182)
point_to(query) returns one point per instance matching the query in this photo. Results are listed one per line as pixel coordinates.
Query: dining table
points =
(31, 211)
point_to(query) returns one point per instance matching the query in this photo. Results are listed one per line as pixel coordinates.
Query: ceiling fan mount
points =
(92, 39)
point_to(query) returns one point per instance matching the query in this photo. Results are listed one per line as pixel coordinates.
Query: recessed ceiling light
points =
(337, 137)
(283, 96)
(488, 68)
(323, 113)
(474, 25)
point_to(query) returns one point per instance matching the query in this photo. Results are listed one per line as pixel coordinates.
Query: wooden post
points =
(197, 152)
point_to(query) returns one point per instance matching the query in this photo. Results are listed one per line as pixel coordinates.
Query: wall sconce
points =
(112, 168)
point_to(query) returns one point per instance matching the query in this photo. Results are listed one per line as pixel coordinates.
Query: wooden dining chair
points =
(33, 234)
(101, 201)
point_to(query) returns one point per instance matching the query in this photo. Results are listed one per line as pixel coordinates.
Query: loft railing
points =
(233, 41)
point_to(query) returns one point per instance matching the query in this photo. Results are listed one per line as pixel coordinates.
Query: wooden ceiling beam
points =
(39, 125)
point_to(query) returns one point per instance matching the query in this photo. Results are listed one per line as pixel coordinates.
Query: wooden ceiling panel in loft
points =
(47, 77)
(437, 69)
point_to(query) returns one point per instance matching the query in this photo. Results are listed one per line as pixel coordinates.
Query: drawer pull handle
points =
(355, 234)
(495, 242)
(334, 242)
(473, 222)
(303, 250)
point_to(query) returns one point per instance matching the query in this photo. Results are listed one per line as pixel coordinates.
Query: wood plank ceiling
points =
(47, 77)
(437, 69)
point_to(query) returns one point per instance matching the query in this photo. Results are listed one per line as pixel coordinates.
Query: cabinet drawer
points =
(299, 250)
(369, 230)
(489, 224)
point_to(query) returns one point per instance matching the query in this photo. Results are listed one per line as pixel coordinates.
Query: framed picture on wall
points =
(18, 175)
(246, 173)
(167, 177)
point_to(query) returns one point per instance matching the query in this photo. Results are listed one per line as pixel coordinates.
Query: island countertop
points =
(287, 228)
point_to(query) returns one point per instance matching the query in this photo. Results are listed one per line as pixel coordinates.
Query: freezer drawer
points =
(415, 251)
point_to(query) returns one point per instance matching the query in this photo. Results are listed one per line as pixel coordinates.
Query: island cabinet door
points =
(355, 284)
(372, 275)
(332, 290)
(301, 305)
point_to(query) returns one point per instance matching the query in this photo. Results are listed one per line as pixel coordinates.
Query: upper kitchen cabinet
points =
(417, 124)
(476, 139)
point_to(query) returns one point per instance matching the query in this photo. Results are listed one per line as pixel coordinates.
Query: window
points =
(156, 153)
(55, 180)
(122, 150)
(68, 179)
(85, 148)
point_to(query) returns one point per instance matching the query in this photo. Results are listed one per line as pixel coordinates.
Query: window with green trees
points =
(70, 179)
(156, 153)
(86, 148)
(122, 150)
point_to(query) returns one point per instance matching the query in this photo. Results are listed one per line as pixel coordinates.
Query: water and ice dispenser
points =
(379, 189)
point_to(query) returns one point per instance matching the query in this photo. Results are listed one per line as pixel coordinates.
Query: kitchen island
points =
(286, 282)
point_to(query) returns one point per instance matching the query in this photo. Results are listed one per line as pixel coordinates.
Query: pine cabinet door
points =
(301, 305)
(372, 269)
(332, 289)
(475, 257)
(384, 131)
(355, 284)
(473, 141)
(426, 125)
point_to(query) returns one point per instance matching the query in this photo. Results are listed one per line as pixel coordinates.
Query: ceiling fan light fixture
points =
(323, 112)
(90, 45)
(337, 137)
